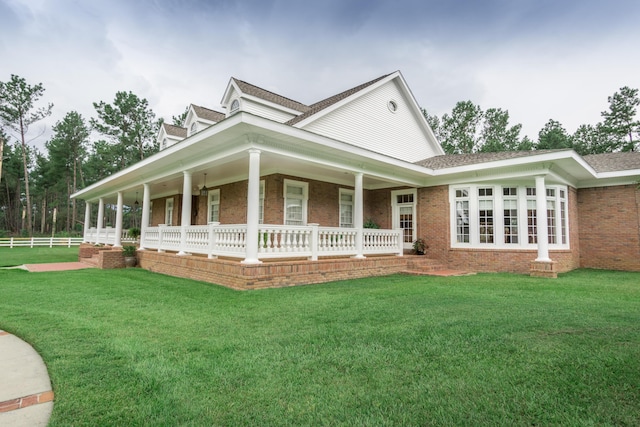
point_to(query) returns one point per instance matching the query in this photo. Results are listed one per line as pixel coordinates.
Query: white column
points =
(100, 221)
(144, 222)
(253, 205)
(541, 217)
(185, 220)
(118, 238)
(87, 221)
(358, 214)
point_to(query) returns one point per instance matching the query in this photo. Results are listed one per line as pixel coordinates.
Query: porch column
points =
(87, 222)
(185, 220)
(358, 214)
(144, 221)
(118, 239)
(541, 216)
(100, 221)
(253, 206)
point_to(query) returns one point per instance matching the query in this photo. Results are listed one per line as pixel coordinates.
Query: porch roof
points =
(220, 152)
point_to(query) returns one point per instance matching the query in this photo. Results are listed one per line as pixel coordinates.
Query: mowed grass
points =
(10, 257)
(129, 347)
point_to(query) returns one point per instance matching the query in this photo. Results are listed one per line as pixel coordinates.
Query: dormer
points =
(169, 135)
(199, 118)
(242, 96)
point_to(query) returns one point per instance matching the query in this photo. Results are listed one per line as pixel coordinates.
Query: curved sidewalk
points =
(26, 398)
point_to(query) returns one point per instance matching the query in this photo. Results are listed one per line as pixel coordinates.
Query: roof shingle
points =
(174, 130)
(208, 114)
(612, 162)
(258, 92)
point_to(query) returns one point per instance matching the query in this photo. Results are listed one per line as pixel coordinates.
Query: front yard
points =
(129, 347)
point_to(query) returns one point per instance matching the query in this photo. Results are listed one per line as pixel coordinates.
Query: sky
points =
(538, 59)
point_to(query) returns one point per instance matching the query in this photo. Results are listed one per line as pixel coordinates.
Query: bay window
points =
(485, 216)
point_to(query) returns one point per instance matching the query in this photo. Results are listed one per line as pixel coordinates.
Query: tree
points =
(17, 112)
(553, 136)
(67, 151)
(130, 124)
(458, 130)
(468, 129)
(620, 120)
(496, 135)
(179, 120)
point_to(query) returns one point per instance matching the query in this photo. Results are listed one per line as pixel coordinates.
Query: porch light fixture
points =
(136, 202)
(204, 191)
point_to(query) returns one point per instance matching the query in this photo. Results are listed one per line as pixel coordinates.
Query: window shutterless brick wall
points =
(609, 220)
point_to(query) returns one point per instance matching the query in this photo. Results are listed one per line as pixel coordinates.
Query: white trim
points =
(395, 213)
(304, 197)
(168, 213)
(210, 196)
(351, 193)
(498, 217)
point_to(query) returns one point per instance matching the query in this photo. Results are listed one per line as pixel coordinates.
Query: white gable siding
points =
(265, 111)
(367, 122)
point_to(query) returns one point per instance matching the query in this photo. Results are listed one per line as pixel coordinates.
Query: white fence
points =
(274, 241)
(14, 242)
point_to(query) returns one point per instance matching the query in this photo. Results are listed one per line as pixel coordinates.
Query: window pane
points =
(293, 214)
(462, 221)
(510, 218)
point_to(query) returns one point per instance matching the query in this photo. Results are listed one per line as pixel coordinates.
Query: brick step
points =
(94, 260)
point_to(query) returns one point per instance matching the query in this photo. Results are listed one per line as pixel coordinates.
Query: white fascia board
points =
(231, 87)
(169, 153)
(518, 161)
(417, 112)
(608, 179)
(346, 100)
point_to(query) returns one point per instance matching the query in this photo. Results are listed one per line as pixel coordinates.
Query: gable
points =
(383, 118)
(255, 100)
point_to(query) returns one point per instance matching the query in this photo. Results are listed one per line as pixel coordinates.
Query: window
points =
(164, 143)
(168, 213)
(499, 216)
(485, 214)
(510, 214)
(462, 215)
(346, 208)
(532, 220)
(393, 106)
(214, 206)
(235, 106)
(194, 128)
(295, 202)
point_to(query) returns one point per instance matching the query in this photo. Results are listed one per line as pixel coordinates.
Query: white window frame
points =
(303, 196)
(168, 211)
(561, 217)
(395, 209)
(213, 199)
(193, 128)
(235, 102)
(342, 204)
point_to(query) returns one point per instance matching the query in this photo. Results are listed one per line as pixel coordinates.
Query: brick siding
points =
(609, 220)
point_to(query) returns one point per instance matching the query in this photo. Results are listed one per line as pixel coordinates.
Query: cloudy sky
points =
(538, 59)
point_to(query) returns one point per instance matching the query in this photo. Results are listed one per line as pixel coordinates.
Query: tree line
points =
(35, 186)
(469, 129)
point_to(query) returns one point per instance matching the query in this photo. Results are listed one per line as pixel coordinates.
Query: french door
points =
(403, 207)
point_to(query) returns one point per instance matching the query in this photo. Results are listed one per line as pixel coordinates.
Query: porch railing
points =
(107, 236)
(274, 241)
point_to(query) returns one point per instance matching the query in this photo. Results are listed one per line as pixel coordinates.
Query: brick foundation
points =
(272, 274)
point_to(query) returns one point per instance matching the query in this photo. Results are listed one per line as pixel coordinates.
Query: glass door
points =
(404, 215)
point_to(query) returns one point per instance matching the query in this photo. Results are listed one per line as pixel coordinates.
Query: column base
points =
(545, 269)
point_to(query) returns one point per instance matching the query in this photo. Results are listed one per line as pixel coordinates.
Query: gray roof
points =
(454, 160)
(258, 92)
(174, 130)
(208, 114)
(612, 162)
(321, 105)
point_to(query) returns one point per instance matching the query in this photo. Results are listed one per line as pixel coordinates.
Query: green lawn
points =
(10, 257)
(129, 347)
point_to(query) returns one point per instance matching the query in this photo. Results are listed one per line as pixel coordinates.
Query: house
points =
(273, 192)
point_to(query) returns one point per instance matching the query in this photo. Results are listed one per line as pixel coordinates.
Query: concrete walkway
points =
(26, 398)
